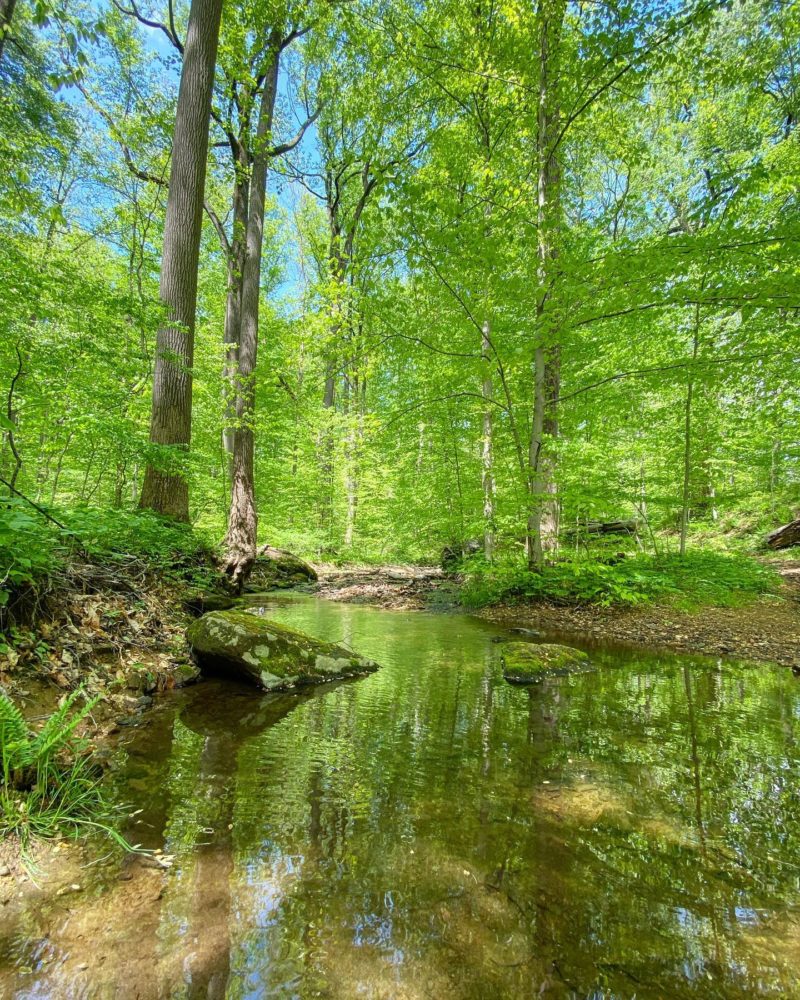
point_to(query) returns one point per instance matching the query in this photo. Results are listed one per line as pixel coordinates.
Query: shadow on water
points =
(431, 831)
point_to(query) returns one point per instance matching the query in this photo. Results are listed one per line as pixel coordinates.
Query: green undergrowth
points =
(700, 578)
(33, 548)
(52, 786)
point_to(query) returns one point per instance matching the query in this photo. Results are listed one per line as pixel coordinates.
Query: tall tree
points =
(165, 488)
(543, 516)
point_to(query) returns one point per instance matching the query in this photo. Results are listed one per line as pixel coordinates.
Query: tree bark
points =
(687, 433)
(166, 490)
(487, 458)
(355, 434)
(785, 537)
(542, 527)
(241, 540)
(236, 254)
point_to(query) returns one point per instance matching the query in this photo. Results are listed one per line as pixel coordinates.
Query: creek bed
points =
(432, 831)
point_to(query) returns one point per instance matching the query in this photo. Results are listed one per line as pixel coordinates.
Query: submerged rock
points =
(272, 656)
(527, 662)
(529, 633)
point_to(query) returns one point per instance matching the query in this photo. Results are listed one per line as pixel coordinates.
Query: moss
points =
(527, 662)
(272, 656)
(276, 569)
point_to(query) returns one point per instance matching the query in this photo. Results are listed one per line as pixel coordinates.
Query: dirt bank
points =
(118, 630)
(766, 629)
(760, 631)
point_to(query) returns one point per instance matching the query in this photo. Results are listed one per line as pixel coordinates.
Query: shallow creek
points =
(431, 831)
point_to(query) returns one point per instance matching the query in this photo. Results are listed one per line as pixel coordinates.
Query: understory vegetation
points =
(51, 785)
(36, 553)
(691, 581)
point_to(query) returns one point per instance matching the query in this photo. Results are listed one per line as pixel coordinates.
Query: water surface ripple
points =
(431, 831)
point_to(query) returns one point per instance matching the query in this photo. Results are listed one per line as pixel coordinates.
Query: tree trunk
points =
(355, 435)
(785, 537)
(687, 434)
(241, 540)
(338, 266)
(6, 14)
(542, 528)
(487, 463)
(236, 254)
(165, 489)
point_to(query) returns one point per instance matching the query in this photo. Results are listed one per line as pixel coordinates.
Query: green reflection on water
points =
(431, 831)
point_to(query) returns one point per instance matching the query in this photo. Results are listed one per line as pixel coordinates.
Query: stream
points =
(431, 831)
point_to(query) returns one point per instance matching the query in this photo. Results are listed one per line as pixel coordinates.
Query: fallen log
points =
(605, 528)
(784, 537)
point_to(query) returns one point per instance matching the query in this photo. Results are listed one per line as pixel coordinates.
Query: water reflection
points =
(430, 831)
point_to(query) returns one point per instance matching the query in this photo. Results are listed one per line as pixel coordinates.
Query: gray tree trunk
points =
(166, 490)
(487, 457)
(236, 254)
(240, 542)
(687, 434)
(543, 511)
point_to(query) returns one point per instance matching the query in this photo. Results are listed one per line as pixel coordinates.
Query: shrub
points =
(27, 548)
(113, 534)
(699, 578)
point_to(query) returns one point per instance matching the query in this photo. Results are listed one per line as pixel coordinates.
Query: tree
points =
(165, 488)
(6, 15)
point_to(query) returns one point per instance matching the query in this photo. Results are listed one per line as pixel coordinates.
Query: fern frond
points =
(58, 731)
(15, 744)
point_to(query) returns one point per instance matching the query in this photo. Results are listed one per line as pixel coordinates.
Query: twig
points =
(10, 415)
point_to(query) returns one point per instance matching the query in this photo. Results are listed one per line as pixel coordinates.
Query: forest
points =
(394, 308)
(492, 271)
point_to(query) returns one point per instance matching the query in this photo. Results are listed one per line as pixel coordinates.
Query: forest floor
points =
(766, 629)
(395, 587)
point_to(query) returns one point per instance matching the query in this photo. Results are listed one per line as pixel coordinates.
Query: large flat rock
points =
(272, 656)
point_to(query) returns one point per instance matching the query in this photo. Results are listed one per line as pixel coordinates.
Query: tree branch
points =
(168, 30)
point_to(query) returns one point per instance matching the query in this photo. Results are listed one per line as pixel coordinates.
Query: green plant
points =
(26, 548)
(699, 578)
(51, 785)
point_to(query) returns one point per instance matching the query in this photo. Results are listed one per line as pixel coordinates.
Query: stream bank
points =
(766, 630)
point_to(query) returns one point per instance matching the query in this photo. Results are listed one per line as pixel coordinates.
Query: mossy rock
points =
(276, 568)
(201, 602)
(272, 656)
(528, 662)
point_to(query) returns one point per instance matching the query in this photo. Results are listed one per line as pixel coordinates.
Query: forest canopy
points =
(496, 272)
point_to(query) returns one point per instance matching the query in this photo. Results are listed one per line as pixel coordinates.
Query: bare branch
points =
(168, 30)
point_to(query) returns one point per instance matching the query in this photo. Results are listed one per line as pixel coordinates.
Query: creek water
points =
(432, 831)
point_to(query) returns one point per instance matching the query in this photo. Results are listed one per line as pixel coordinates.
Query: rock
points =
(528, 663)
(272, 656)
(4, 871)
(139, 678)
(453, 553)
(185, 673)
(277, 568)
(530, 633)
(200, 603)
